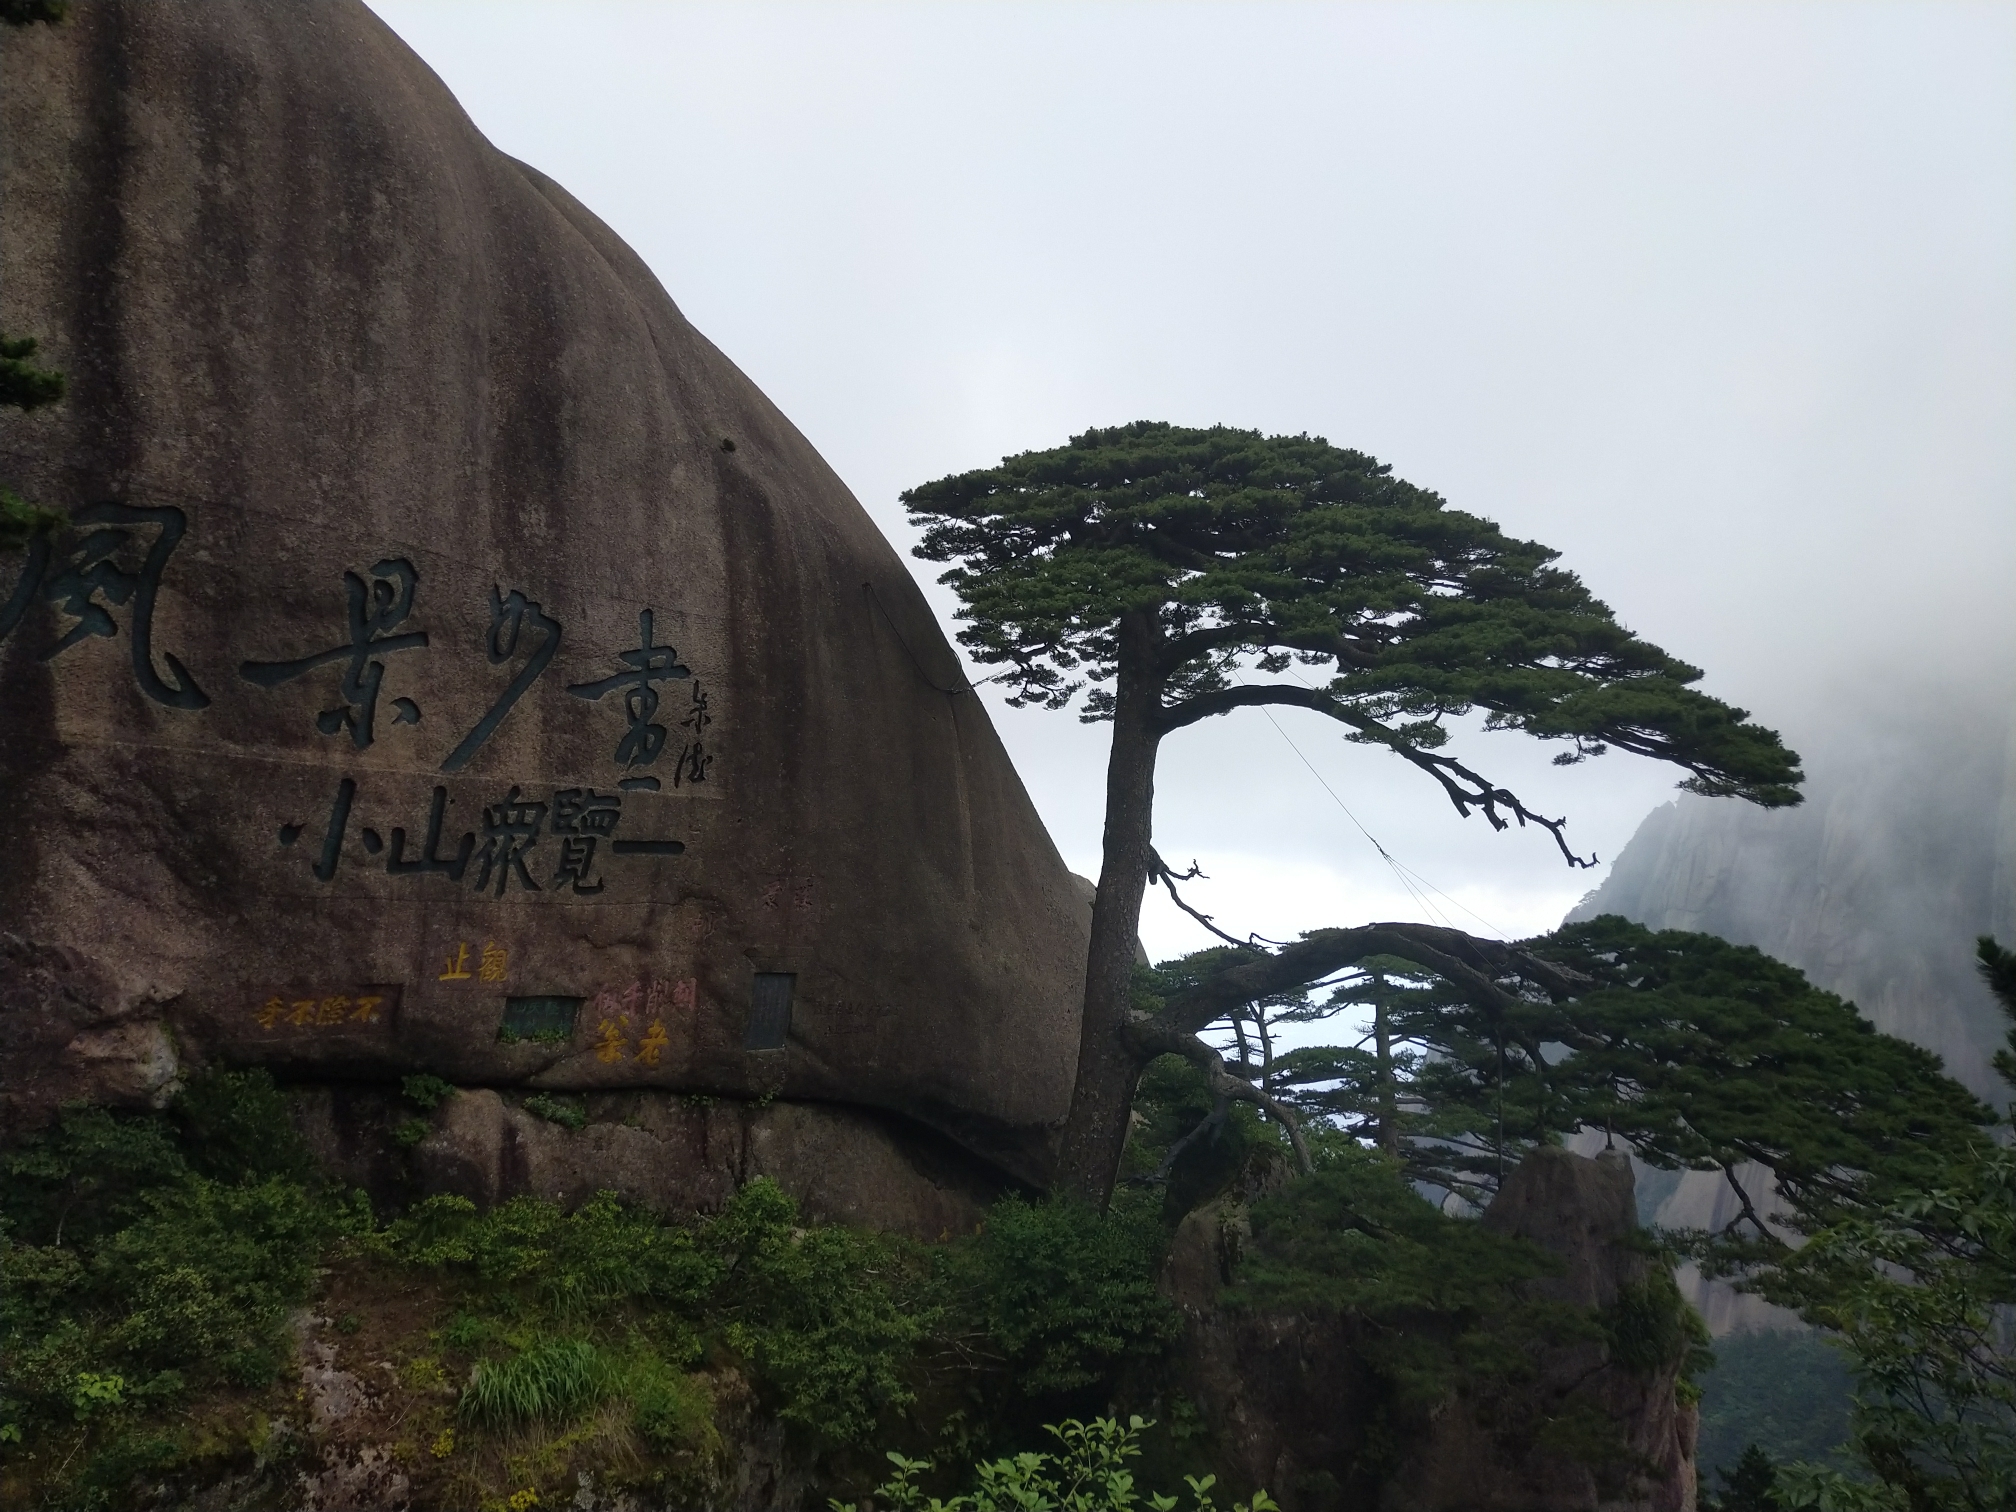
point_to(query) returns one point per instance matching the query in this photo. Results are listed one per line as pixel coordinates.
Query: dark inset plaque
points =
(548, 1020)
(770, 1012)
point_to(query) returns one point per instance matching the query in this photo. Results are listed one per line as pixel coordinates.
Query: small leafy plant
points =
(565, 1111)
(1088, 1472)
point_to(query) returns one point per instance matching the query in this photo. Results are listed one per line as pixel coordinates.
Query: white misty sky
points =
(1718, 299)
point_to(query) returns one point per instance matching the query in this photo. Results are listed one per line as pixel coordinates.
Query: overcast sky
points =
(1718, 299)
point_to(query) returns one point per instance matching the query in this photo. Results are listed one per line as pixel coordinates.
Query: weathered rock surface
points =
(455, 663)
(1295, 1410)
(1876, 886)
(663, 1151)
(1496, 1456)
(1287, 1399)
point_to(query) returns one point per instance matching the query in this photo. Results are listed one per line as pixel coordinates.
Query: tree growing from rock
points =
(1689, 1051)
(1173, 575)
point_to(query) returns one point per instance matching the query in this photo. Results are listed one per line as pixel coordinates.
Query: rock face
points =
(1287, 1398)
(454, 663)
(1875, 887)
(1295, 1410)
(662, 1151)
(1482, 1456)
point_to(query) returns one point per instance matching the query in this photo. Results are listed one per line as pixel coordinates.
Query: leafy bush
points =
(144, 1257)
(1446, 1296)
(568, 1112)
(427, 1091)
(822, 1314)
(821, 1311)
(235, 1124)
(1088, 1473)
(1063, 1293)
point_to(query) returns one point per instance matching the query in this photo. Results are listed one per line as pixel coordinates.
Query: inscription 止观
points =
(491, 964)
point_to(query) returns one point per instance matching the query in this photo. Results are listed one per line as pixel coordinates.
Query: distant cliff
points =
(1876, 887)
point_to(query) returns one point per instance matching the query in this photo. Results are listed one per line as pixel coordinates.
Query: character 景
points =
(376, 609)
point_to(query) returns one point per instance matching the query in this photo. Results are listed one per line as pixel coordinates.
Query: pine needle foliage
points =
(1171, 575)
(1292, 550)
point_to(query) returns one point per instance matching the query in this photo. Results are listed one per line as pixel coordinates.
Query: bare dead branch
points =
(1159, 871)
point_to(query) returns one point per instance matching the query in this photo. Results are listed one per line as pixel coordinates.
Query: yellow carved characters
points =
(493, 964)
(618, 1011)
(319, 1012)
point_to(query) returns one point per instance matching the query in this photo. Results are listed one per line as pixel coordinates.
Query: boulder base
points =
(670, 1153)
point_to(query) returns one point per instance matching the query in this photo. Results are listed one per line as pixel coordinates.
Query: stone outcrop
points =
(663, 1151)
(1295, 1410)
(1286, 1396)
(454, 663)
(1876, 886)
(1503, 1457)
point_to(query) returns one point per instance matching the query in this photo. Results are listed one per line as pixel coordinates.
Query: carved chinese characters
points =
(368, 680)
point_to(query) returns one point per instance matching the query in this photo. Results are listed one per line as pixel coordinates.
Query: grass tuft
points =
(553, 1381)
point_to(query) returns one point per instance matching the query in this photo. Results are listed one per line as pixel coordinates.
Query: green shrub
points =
(1444, 1297)
(144, 1257)
(235, 1125)
(820, 1311)
(1087, 1473)
(669, 1408)
(568, 1112)
(86, 1175)
(1064, 1293)
(426, 1091)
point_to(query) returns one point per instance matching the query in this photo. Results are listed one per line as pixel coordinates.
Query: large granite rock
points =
(1294, 1407)
(454, 662)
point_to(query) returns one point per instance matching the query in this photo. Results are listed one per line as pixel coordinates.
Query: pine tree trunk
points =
(1095, 1134)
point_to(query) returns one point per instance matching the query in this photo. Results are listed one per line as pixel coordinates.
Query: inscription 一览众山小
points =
(581, 821)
